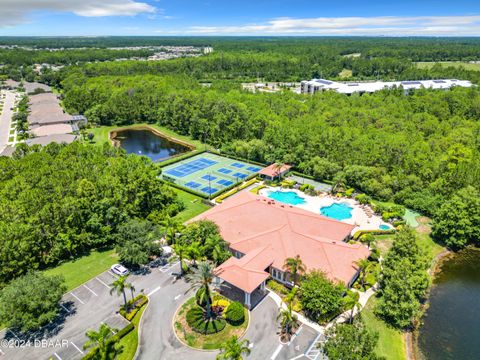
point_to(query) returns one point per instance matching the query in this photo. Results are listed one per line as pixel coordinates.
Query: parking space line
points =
(277, 351)
(76, 347)
(296, 334)
(1, 352)
(76, 297)
(86, 287)
(115, 276)
(104, 284)
(14, 334)
(68, 311)
(177, 297)
(154, 290)
(56, 355)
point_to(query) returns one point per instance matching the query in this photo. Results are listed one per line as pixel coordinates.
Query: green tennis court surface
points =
(208, 173)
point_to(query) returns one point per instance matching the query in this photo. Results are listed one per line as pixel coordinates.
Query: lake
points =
(147, 142)
(451, 328)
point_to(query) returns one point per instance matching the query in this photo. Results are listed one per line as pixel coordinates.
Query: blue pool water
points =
(384, 227)
(337, 211)
(287, 197)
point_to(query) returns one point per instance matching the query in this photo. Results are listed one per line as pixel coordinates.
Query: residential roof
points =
(43, 98)
(58, 138)
(268, 233)
(274, 170)
(52, 129)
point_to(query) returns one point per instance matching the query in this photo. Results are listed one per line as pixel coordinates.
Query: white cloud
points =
(381, 25)
(13, 12)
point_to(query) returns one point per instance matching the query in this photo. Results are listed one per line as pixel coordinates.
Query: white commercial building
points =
(315, 85)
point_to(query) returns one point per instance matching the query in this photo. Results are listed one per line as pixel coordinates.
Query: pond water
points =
(148, 143)
(451, 328)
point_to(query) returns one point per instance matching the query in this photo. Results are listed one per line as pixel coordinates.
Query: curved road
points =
(158, 341)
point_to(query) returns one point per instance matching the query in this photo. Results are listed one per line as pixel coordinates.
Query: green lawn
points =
(390, 342)
(82, 269)
(465, 65)
(129, 342)
(193, 205)
(101, 134)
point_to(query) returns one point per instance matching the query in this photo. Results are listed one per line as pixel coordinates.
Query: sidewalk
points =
(343, 317)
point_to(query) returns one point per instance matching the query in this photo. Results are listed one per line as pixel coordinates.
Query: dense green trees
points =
(403, 281)
(350, 341)
(457, 222)
(137, 242)
(31, 301)
(60, 201)
(321, 299)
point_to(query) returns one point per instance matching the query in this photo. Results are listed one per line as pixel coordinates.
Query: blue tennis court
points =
(208, 173)
(224, 182)
(240, 175)
(190, 167)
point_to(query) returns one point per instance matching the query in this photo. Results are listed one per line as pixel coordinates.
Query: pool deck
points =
(360, 214)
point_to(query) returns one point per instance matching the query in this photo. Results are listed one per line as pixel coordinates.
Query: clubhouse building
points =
(263, 233)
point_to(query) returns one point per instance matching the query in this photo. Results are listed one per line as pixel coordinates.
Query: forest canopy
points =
(60, 201)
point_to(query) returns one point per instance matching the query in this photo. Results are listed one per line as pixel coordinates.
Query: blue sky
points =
(247, 17)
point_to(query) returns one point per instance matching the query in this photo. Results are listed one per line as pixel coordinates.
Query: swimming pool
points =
(337, 211)
(287, 197)
(384, 227)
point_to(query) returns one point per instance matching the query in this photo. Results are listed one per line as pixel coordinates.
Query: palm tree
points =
(182, 252)
(351, 300)
(363, 267)
(277, 167)
(233, 349)
(203, 278)
(132, 289)
(194, 252)
(101, 339)
(172, 226)
(295, 267)
(119, 286)
(288, 321)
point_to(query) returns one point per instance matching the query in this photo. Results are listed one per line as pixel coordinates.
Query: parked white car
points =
(119, 269)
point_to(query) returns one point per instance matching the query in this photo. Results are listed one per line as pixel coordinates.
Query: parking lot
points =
(82, 309)
(91, 304)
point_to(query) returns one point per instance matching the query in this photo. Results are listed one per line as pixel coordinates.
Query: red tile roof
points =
(269, 232)
(273, 170)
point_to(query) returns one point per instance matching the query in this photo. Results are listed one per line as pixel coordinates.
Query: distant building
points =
(316, 85)
(58, 138)
(274, 171)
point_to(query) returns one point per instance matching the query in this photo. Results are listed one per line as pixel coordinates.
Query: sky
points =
(245, 17)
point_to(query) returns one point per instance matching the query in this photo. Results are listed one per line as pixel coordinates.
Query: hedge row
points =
(178, 158)
(219, 199)
(93, 354)
(374, 232)
(196, 320)
(138, 301)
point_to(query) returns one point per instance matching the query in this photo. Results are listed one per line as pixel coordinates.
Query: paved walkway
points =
(6, 118)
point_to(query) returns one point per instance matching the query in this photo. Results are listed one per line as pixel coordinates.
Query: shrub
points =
(363, 199)
(349, 192)
(137, 303)
(277, 287)
(197, 322)
(235, 313)
(221, 302)
(374, 232)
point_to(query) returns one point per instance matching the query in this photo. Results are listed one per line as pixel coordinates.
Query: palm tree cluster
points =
(119, 286)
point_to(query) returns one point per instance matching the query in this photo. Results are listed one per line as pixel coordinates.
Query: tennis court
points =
(208, 173)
